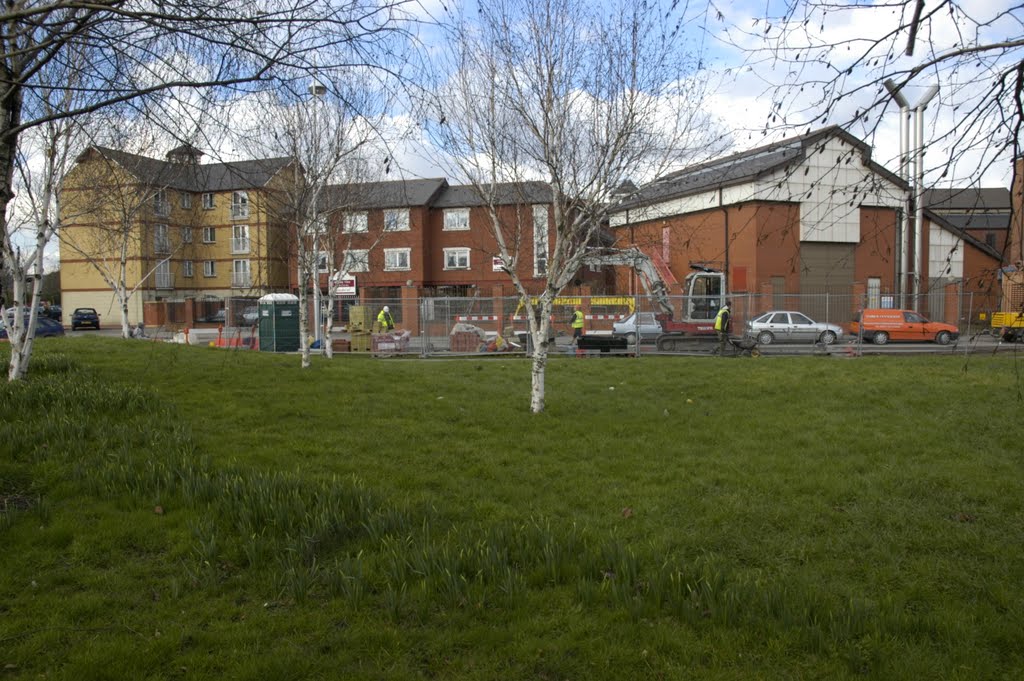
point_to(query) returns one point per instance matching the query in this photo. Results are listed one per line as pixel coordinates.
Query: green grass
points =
(199, 513)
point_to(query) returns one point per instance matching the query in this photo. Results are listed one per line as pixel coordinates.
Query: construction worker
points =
(385, 320)
(577, 324)
(723, 320)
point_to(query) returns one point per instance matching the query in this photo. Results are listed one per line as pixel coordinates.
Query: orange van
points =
(881, 326)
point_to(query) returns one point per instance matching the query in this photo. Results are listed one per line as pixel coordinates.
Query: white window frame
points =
(187, 269)
(356, 223)
(396, 220)
(239, 205)
(160, 205)
(321, 261)
(208, 201)
(356, 260)
(452, 257)
(162, 275)
(209, 235)
(209, 268)
(186, 235)
(241, 273)
(161, 240)
(456, 220)
(540, 240)
(240, 242)
(184, 200)
(399, 254)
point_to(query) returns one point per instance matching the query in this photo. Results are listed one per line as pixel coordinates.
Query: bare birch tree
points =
(840, 62)
(329, 131)
(579, 95)
(137, 50)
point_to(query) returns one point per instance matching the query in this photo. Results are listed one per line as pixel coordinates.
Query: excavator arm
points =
(642, 264)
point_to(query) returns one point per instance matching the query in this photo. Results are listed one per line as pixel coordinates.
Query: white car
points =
(639, 323)
(785, 326)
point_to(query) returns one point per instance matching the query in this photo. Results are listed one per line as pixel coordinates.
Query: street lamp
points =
(912, 170)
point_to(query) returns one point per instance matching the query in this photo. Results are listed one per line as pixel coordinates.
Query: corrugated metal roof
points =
(978, 220)
(746, 166)
(968, 198)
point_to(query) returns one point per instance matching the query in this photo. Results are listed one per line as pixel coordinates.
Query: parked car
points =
(638, 324)
(53, 312)
(251, 314)
(784, 326)
(45, 327)
(881, 326)
(85, 316)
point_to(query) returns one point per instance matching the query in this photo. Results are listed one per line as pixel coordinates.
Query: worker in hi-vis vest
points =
(577, 324)
(722, 321)
(386, 321)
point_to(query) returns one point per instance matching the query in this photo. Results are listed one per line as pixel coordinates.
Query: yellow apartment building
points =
(171, 230)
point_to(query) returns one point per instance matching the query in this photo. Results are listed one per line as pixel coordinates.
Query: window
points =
(161, 243)
(209, 235)
(186, 235)
(187, 268)
(354, 223)
(540, 241)
(184, 200)
(779, 318)
(240, 274)
(396, 220)
(799, 320)
(356, 260)
(321, 262)
(990, 239)
(160, 205)
(456, 219)
(164, 279)
(209, 268)
(874, 292)
(396, 259)
(456, 258)
(239, 205)
(240, 238)
(207, 201)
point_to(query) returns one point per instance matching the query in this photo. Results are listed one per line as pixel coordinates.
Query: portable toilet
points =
(279, 322)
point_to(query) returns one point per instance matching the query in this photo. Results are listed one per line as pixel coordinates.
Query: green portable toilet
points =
(279, 322)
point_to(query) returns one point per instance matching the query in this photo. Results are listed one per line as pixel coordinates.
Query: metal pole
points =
(920, 267)
(905, 217)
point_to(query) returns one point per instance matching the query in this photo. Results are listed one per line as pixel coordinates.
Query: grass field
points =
(170, 512)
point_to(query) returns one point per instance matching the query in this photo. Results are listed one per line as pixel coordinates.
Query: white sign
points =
(345, 284)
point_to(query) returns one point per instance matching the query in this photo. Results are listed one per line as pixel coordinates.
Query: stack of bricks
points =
(464, 341)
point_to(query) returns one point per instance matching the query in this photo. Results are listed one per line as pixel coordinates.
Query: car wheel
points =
(631, 338)
(943, 338)
(827, 338)
(765, 338)
(74, 328)
(880, 338)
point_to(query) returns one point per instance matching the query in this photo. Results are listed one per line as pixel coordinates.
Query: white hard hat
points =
(387, 309)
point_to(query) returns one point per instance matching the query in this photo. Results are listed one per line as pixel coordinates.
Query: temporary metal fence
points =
(447, 326)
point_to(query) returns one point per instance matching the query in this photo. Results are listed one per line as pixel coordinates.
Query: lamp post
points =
(912, 170)
(317, 90)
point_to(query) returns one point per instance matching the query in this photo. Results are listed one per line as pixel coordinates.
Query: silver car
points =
(782, 326)
(643, 323)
